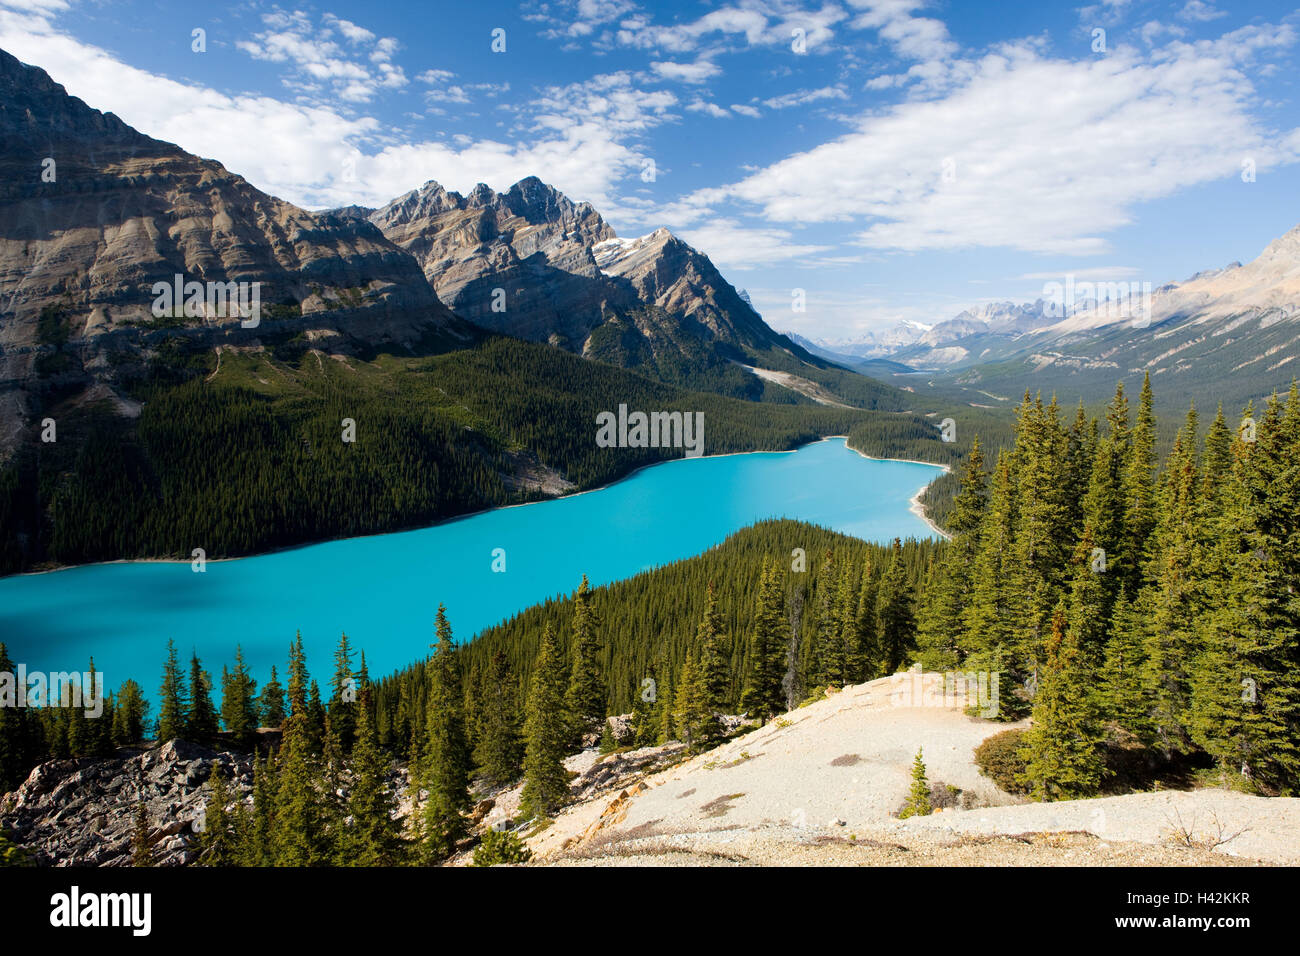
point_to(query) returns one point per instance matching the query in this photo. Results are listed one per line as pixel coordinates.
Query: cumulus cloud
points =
(1032, 153)
(321, 58)
(696, 72)
(732, 245)
(313, 155)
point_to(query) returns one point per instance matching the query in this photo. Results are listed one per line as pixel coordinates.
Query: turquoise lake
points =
(383, 590)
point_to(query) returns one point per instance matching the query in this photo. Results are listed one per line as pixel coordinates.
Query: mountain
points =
(877, 344)
(1232, 334)
(93, 213)
(532, 263)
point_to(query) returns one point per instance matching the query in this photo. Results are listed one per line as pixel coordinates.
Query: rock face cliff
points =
(93, 213)
(531, 262)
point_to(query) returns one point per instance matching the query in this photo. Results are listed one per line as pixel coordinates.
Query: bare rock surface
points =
(82, 812)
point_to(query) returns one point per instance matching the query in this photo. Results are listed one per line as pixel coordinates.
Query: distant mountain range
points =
(1230, 334)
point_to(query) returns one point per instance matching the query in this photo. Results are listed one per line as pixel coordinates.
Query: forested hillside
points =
(244, 450)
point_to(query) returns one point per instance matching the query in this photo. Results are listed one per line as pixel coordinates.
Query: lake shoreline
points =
(915, 507)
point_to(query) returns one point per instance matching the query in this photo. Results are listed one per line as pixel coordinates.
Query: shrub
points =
(500, 847)
(999, 759)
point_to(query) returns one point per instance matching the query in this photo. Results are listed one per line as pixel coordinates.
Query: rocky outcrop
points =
(82, 812)
(531, 262)
(531, 242)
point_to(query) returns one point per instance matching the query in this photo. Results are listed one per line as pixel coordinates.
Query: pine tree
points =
(918, 797)
(271, 702)
(1063, 746)
(298, 828)
(171, 696)
(1138, 488)
(1121, 673)
(690, 715)
(258, 848)
(714, 668)
(1041, 542)
(1246, 689)
(1173, 598)
(894, 614)
(715, 657)
(825, 660)
(939, 623)
(375, 836)
(141, 846)
(500, 748)
(446, 762)
(857, 662)
(129, 714)
(314, 725)
(201, 718)
(586, 695)
(343, 696)
(20, 732)
(987, 619)
(546, 782)
(297, 676)
(238, 712)
(763, 697)
(216, 842)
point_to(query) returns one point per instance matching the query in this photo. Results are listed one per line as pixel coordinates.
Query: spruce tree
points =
(690, 714)
(897, 626)
(1173, 597)
(298, 834)
(939, 621)
(763, 697)
(201, 718)
(918, 797)
(500, 748)
(297, 676)
(586, 694)
(987, 619)
(216, 842)
(238, 711)
(1122, 670)
(446, 760)
(375, 836)
(714, 667)
(1063, 746)
(1138, 488)
(171, 696)
(546, 781)
(129, 714)
(271, 702)
(343, 696)
(1246, 688)
(141, 845)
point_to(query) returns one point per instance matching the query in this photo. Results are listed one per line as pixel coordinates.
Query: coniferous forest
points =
(1140, 608)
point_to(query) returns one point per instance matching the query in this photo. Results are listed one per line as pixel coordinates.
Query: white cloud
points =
(804, 97)
(299, 151)
(758, 23)
(744, 110)
(696, 72)
(1200, 12)
(699, 105)
(320, 67)
(912, 37)
(733, 246)
(1043, 155)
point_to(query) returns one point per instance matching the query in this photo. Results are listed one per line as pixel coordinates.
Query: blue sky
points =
(894, 159)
